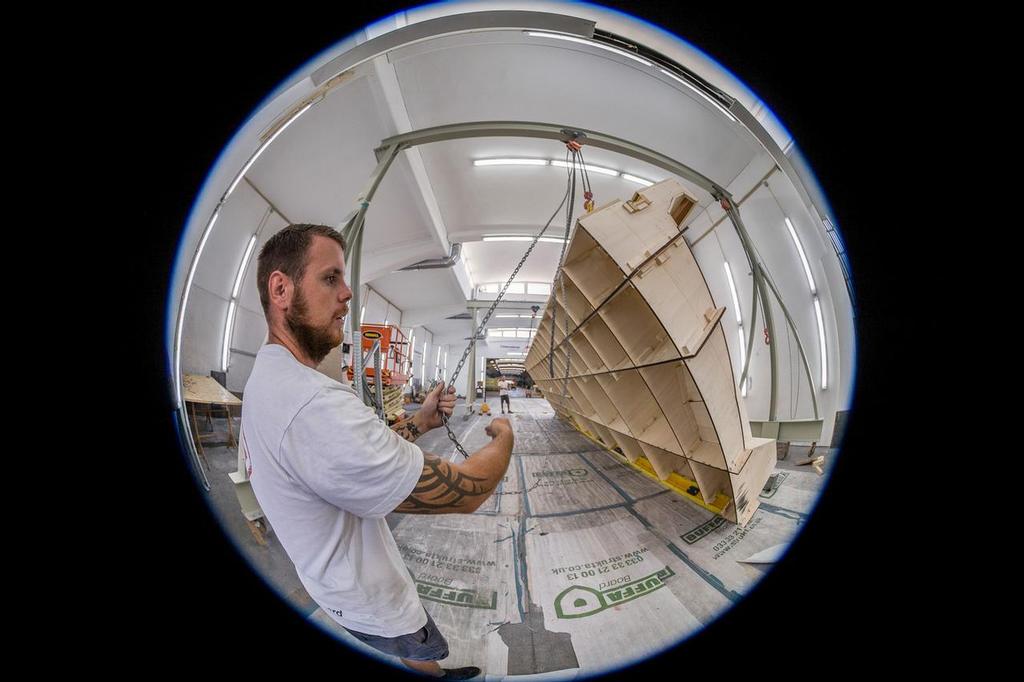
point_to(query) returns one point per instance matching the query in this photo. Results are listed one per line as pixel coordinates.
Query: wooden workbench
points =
(203, 390)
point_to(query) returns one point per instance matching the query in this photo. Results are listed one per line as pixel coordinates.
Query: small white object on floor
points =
(766, 556)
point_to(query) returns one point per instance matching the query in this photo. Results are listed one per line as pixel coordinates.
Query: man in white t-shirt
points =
(503, 387)
(326, 470)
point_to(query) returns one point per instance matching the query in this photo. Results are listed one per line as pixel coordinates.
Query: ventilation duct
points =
(437, 263)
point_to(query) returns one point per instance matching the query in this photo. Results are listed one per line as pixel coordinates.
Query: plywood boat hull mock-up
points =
(631, 351)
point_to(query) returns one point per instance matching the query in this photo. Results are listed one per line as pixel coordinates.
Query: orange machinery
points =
(395, 362)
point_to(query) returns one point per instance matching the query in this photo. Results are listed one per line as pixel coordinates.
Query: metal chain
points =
(570, 181)
(561, 280)
(487, 316)
(561, 277)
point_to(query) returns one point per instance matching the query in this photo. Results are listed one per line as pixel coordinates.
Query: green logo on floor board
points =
(456, 596)
(579, 601)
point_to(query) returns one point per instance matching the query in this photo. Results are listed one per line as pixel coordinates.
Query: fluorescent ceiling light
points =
(638, 180)
(803, 258)
(743, 351)
(821, 343)
(241, 270)
(226, 347)
(735, 299)
(521, 238)
(699, 92)
(595, 169)
(584, 41)
(510, 162)
(184, 303)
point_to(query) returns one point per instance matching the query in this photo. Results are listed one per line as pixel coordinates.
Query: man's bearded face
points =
(316, 340)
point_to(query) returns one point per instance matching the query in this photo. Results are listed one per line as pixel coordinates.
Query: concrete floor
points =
(555, 576)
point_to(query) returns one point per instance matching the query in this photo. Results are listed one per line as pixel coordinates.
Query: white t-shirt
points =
(502, 388)
(326, 471)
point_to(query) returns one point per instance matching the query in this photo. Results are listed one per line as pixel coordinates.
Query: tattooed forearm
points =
(442, 489)
(407, 430)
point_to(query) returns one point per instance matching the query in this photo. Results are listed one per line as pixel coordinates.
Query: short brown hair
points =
(287, 251)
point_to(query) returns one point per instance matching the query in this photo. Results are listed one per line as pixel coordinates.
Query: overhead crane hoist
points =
(574, 165)
(574, 139)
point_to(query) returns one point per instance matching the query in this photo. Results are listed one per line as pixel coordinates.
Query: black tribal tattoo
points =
(440, 489)
(407, 430)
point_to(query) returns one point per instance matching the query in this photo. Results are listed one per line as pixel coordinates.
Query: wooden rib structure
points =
(639, 336)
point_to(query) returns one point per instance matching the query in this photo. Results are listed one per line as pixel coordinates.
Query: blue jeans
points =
(426, 644)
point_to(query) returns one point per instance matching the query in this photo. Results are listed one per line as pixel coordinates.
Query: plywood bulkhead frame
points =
(651, 323)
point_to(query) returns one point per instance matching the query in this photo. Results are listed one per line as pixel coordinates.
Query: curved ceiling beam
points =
(457, 23)
(550, 131)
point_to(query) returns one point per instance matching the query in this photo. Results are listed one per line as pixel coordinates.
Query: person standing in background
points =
(503, 393)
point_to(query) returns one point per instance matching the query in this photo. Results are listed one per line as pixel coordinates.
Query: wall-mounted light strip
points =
(184, 304)
(521, 238)
(821, 343)
(241, 270)
(803, 257)
(591, 43)
(412, 352)
(735, 298)
(636, 179)
(245, 169)
(739, 323)
(817, 304)
(694, 88)
(362, 314)
(743, 360)
(423, 364)
(229, 323)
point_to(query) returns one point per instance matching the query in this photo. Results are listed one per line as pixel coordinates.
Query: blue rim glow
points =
(181, 257)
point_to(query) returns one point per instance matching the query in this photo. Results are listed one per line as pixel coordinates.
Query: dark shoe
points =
(460, 673)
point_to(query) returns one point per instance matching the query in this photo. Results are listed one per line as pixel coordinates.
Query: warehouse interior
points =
(442, 138)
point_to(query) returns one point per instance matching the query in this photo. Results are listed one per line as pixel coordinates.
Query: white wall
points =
(245, 214)
(772, 199)
(424, 371)
(378, 309)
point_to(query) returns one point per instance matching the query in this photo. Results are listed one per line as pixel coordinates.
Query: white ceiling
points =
(434, 196)
(315, 170)
(493, 261)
